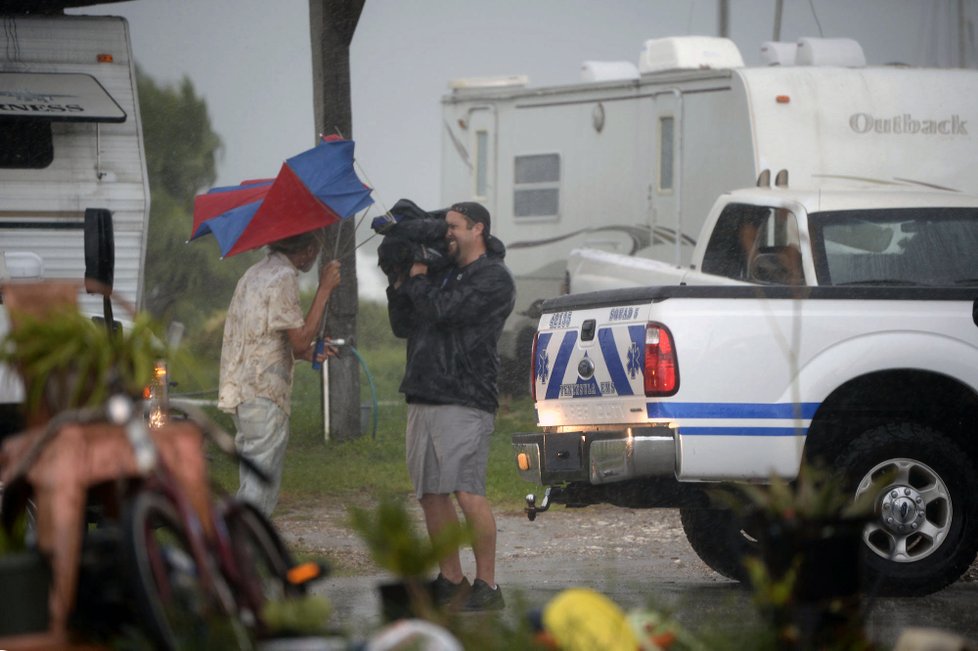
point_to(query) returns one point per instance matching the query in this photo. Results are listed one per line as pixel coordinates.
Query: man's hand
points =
(310, 355)
(417, 269)
(328, 351)
(329, 275)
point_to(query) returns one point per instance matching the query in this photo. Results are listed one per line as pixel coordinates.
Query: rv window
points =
(665, 153)
(536, 185)
(25, 144)
(535, 203)
(481, 163)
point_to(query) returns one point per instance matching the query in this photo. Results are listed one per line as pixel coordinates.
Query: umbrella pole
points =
(321, 345)
(321, 336)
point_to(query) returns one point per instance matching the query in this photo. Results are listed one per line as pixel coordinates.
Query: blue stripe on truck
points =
(560, 364)
(780, 410)
(743, 431)
(612, 361)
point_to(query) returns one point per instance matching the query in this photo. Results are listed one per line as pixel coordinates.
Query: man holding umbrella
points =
(452, 321)
(265, 332)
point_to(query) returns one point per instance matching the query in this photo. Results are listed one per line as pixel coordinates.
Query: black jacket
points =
(452, 321)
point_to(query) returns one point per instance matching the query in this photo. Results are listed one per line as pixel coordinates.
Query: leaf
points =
(70, 352)
(394, 543)
(307, 614)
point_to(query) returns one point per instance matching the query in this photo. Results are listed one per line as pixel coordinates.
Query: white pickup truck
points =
(833, 326)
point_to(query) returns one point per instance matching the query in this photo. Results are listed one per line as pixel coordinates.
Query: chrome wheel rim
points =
(913, 513)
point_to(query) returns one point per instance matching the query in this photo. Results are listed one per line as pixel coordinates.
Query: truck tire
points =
(925, 532)
(717, 537)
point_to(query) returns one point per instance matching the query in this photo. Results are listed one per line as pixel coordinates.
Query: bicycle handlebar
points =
(83, 415)
(111, 412)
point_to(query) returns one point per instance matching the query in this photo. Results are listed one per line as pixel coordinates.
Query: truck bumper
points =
(595, 457)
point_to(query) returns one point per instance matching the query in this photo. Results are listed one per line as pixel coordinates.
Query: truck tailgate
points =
(752, 365)
(587, 365)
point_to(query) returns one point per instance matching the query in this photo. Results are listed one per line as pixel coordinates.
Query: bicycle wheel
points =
(260, 554)
(177, 608)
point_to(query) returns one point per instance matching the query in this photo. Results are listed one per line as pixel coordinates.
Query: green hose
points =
(373, 390)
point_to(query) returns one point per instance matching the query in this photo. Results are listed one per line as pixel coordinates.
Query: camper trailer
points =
(631, 159)
(70, 143)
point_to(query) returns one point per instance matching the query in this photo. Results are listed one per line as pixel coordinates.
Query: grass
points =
(317, 469)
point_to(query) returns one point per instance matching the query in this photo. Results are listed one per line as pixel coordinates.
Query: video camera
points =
(411, 235)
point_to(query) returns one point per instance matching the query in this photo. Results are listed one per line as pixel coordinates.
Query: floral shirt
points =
(256, 358)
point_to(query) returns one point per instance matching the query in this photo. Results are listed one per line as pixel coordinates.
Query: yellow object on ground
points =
(579, 619)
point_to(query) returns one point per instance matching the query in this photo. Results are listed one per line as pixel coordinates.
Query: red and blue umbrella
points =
(313, 189)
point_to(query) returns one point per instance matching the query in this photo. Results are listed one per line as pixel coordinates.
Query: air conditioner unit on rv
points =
(830, 52)
(689, 53)
(608, 70)
(497, 81)
(778, 53)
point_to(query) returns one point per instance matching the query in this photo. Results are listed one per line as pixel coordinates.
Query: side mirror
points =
(99, 251)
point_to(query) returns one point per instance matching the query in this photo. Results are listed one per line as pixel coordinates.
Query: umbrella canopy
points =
(313, 189)
(225, 211)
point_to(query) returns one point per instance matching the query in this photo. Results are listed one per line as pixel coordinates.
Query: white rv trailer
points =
(70, 140)
(633, 165)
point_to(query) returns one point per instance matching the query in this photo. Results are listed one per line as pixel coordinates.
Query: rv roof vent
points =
(830, 52)
(608, 70)
(778, 53)
(689, 53)
(498, 81)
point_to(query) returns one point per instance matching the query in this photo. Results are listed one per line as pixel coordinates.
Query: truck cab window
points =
(755, 244)
(25, 144)
(903, 246)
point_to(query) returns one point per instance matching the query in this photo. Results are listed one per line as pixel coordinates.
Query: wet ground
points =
(639, 558)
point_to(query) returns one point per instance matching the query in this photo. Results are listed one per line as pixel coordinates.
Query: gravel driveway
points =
(638, 557)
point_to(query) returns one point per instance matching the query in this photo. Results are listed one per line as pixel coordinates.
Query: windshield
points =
(907, 246)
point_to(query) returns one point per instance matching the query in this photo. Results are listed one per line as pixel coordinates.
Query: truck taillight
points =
(533, 368)
(661, 369)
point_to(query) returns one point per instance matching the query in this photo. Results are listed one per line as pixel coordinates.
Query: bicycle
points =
(250, 554)
(195, 564)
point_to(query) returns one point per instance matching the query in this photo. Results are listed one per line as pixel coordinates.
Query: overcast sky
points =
(250, 60)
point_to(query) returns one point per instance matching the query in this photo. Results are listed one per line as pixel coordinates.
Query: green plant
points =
(305, 615)
(805, 574)
(395, 544)
(391, 536)
(816, 494)
(68, 361)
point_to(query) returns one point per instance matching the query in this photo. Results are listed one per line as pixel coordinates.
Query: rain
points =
(411, 64)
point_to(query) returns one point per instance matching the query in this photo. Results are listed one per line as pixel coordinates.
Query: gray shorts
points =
(448, 448)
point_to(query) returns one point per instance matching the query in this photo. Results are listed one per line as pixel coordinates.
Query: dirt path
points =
(613, 550)
(596, 534)
(651, 538)
(639, 558)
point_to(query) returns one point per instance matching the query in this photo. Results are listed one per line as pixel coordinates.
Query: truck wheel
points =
(717, 537)
(925, 533)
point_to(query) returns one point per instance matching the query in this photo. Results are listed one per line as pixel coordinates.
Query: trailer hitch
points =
(531, 506)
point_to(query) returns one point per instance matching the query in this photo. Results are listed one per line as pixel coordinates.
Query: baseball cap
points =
(474, 211)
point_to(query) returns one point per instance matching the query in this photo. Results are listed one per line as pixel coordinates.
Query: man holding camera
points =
(452, 320)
